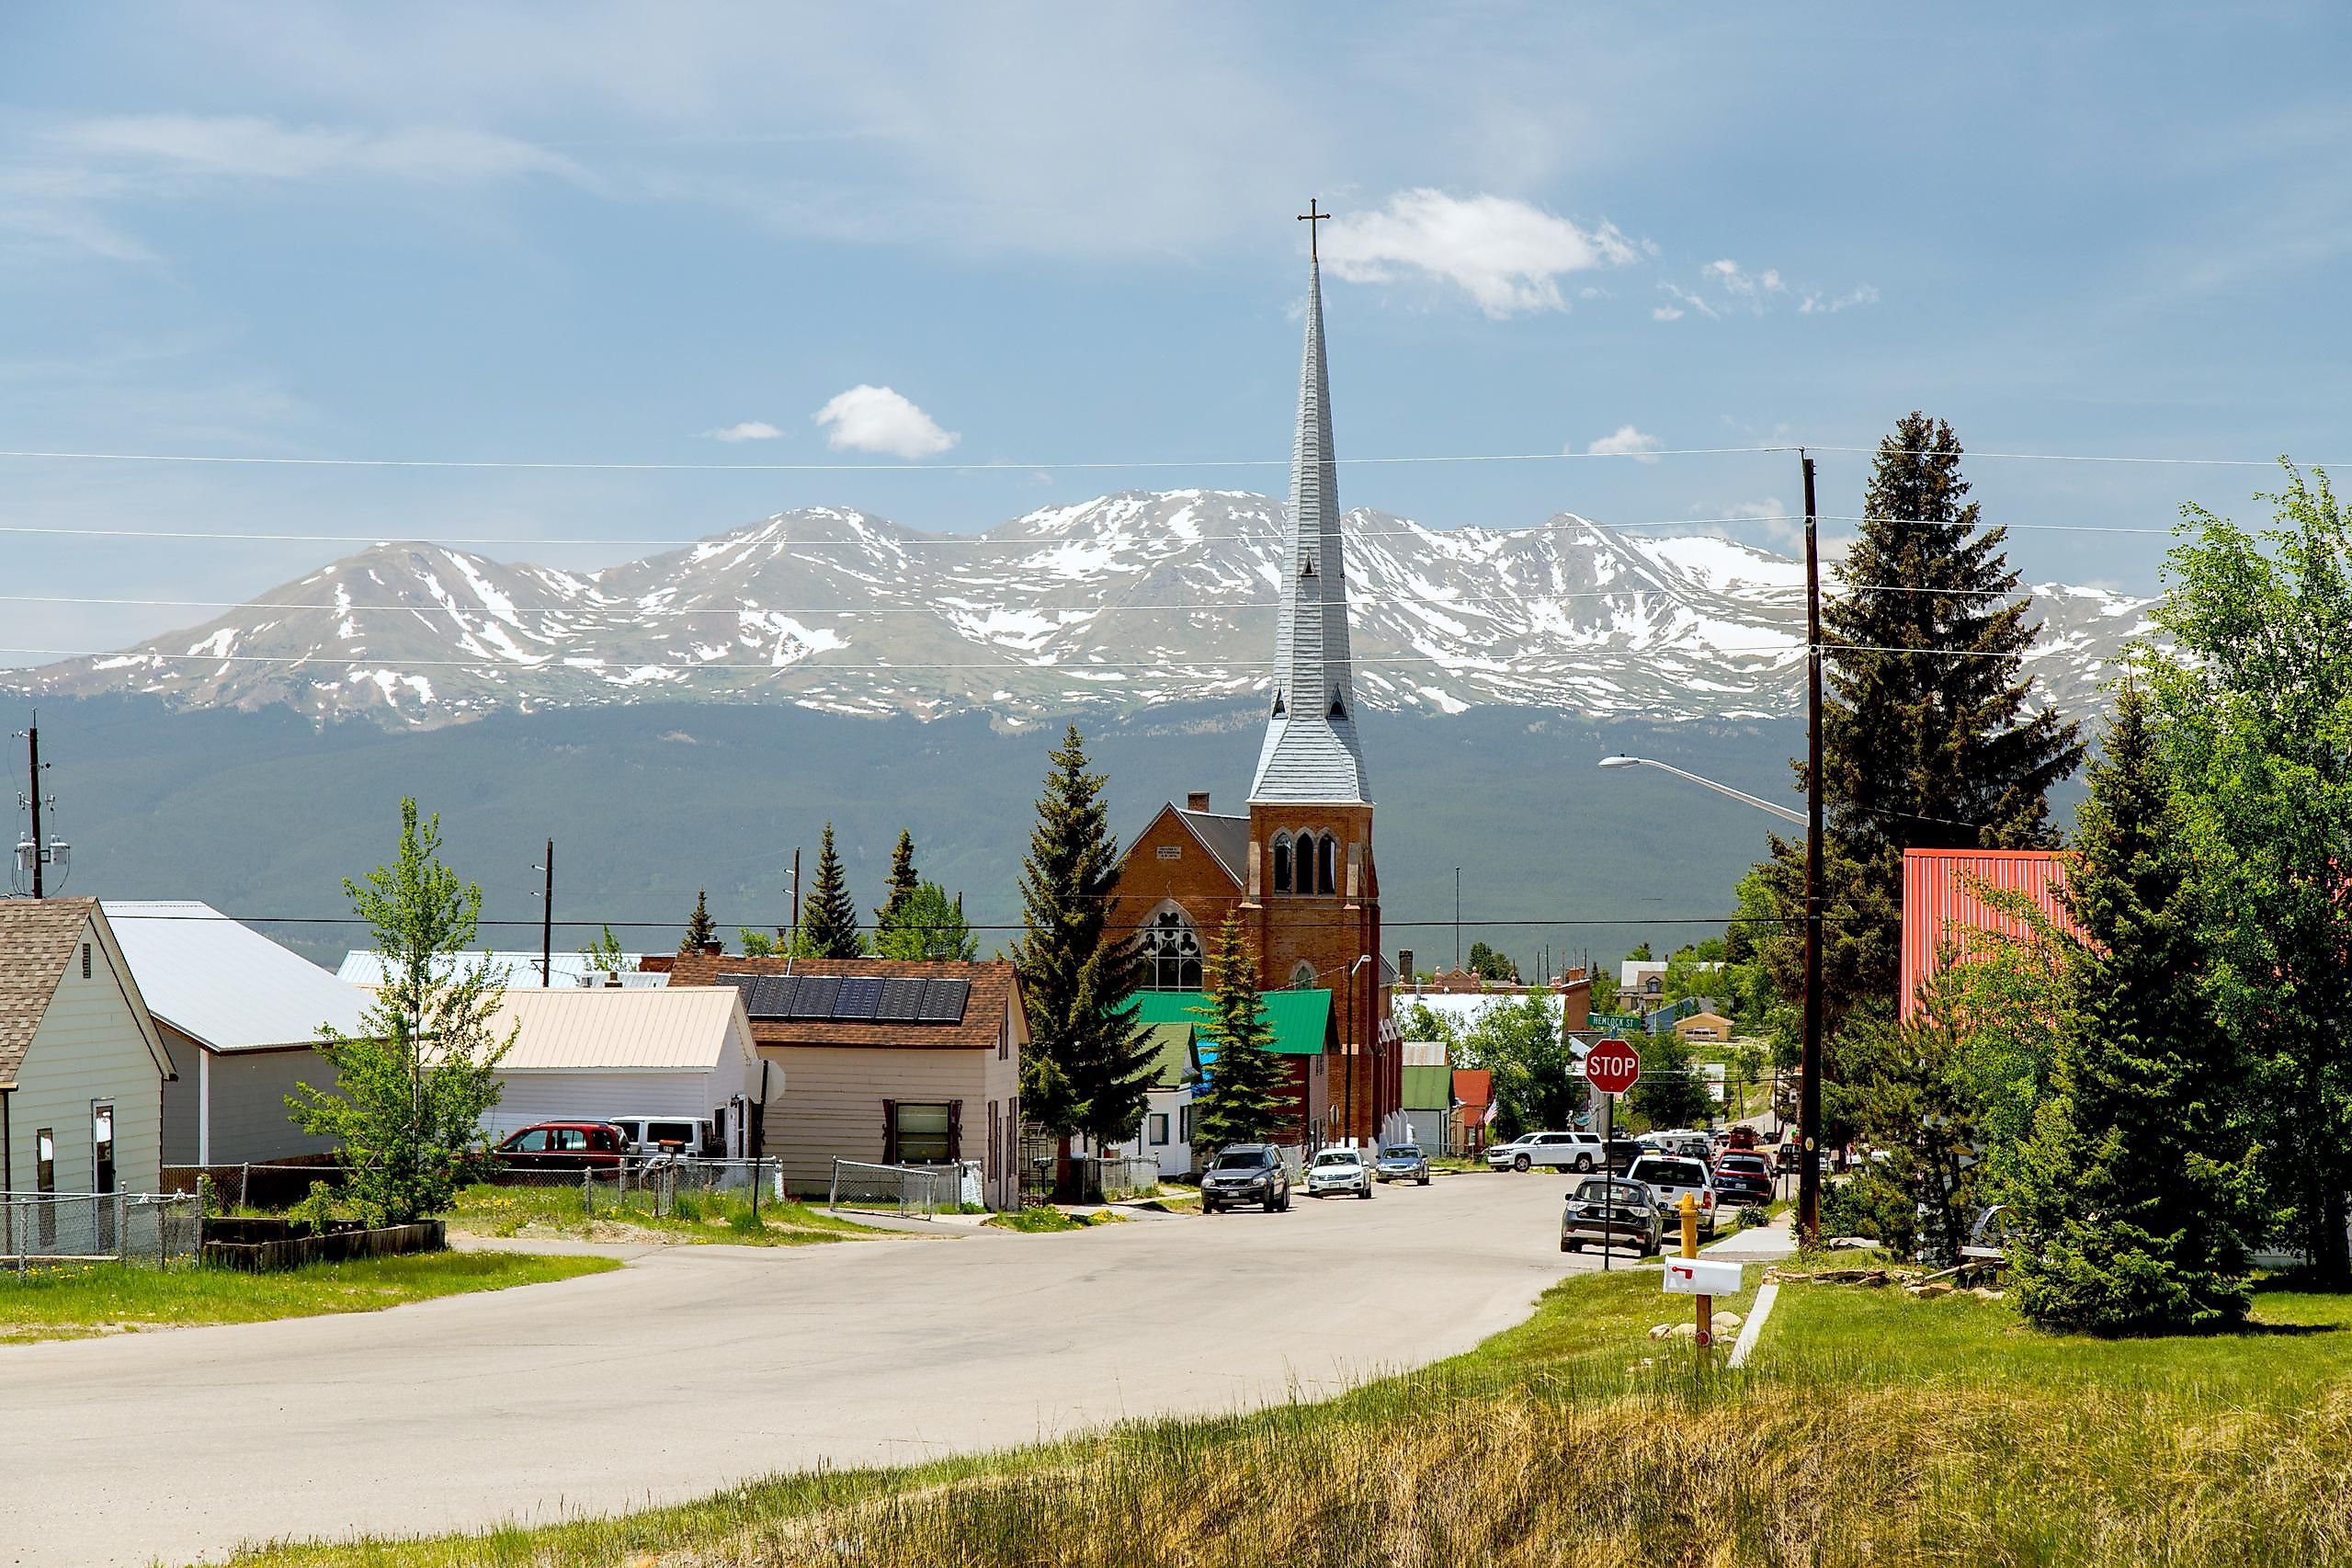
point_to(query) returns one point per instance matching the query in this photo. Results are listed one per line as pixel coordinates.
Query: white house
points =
(240, 1017)
(587, 1053)
(1167, 1132)
(82, 1066)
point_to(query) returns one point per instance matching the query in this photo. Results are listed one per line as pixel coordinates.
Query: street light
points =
(1762, 805)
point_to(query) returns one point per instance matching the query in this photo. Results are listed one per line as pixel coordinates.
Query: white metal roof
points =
(365, 966)
(684, 1029)
(226, 985)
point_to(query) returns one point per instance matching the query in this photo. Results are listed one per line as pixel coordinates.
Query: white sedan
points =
(1339, 1170)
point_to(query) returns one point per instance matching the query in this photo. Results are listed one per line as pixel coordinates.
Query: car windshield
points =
(1673, 1173)
(1625, 1194)
(1241, 1159)
(1400, 1152)
(1338, 1157)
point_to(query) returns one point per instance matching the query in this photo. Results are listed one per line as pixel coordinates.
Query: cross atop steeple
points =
(1310, 218)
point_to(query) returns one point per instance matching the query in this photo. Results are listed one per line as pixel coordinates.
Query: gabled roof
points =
(993, 988)
(1473, 1086)
(224, 984)
(365, 966)
(37, 937)
(1173, 1063)
(675, 1030)
(1301, 1019)
(1225, 837)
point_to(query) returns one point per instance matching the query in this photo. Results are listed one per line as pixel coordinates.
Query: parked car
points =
(1742, 1178)
(1670, 1177)
(1611, 1213)
(649, 1135)
(1618, 1154)
(1245, 1173)
(1402, 1161)
(563, 1146)
(1559, 1151)
(1742, 1138)
(1787, 1156)
(1339, 1170)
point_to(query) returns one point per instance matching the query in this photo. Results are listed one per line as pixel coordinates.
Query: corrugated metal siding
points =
(526, 1097)
(1941, 905)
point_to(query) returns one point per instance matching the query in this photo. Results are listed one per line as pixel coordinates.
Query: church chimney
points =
(1405, 967)
(1197, 801)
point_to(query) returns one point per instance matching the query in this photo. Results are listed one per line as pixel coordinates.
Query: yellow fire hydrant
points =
(1690, 1211)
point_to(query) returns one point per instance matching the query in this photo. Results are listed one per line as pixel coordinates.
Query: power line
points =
(672, 922)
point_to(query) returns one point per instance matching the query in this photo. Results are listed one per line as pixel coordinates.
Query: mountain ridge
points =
(1131, 601)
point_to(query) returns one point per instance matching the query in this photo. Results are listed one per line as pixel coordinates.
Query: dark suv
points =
(563, 1146)
(1245, 1173)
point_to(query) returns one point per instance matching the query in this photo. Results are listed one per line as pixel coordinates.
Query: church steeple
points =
(1310, 754)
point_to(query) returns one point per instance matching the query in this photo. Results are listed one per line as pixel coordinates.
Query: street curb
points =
(1767, 1293)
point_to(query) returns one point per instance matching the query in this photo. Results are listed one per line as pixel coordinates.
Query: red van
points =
(563, 1146)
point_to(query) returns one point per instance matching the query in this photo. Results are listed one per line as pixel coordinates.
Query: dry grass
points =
(1879, 1430)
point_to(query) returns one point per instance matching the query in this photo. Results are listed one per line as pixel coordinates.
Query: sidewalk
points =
(1764, 1243)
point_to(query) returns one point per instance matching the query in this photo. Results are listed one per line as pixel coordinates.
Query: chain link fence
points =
(915, 1192)
(127, 1227)
(1114, 1178)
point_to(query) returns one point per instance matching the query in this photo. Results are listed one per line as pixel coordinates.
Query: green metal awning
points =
(1301, 1019)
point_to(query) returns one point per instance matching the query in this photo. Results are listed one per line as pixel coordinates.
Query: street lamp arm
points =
(1763, 805)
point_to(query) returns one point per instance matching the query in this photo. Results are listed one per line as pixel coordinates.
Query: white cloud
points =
(1507, 255)
(749, 430)
(1752, 289)
(1814, 305)
(876, 419)
(1625, 441)
(250, 147)
(1725, 287)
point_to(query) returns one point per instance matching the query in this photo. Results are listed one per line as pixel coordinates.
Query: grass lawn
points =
(1042, 1218)
(1872, 1429)
(558, 1211)
(76, 1300)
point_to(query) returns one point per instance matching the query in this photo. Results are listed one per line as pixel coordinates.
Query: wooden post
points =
(1809, 1089)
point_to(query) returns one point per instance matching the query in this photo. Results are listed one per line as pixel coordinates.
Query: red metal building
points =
(1943, 903)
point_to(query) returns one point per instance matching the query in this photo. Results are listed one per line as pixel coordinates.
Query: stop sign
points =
(1613, 1066)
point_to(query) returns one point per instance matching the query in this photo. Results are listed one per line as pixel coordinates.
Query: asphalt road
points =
(696, 1367)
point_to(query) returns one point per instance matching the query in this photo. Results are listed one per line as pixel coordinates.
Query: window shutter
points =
(890, 1132)
(955, 1130)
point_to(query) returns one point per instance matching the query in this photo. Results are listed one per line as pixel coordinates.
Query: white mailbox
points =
(1701, 1277)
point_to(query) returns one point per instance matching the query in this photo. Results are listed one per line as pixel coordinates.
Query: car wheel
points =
(1519, 1164)
(1571, 1247)
(1583, 1164)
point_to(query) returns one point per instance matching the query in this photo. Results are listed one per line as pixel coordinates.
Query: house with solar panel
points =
(1296, 867)
(883, 1061)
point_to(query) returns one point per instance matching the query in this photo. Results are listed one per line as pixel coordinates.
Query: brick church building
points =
(1297, 868)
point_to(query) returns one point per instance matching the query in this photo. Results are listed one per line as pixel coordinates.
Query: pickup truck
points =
(1670, 1178)
(1556, 1151)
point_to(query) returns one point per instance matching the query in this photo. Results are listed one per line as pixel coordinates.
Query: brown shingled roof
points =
(993, 984)
(36, 938)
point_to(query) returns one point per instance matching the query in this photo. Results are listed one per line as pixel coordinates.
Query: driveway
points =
(696, 1366)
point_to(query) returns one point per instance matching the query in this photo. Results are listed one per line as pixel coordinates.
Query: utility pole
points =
(1457, 919)
(796, 901)
(1809, 1087)
(32, 793)
(37, 854)
(547, 921)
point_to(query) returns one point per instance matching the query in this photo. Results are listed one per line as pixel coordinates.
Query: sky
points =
(1606, 240)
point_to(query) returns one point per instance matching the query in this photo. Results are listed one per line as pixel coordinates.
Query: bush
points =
(1870, 1205)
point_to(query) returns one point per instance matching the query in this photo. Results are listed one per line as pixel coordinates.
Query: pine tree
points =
(828, 915)
(1245, 1102)
(902, 880)
(1088, 1068)
(700, 929)
(2133, 1193)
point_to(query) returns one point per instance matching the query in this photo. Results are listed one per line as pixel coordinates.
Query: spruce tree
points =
(1245, 1102)
(828, 915)
(1088, 1068)
(2133, 1192)
(700, 928)
(902, 880)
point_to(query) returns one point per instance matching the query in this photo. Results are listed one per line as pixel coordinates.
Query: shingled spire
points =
(1310, 754)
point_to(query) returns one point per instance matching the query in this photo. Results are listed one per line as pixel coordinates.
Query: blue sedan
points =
(1402, 1161)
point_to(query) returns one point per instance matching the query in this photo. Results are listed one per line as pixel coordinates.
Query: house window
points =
(922, 1133)
(102, 1146)
(1184, 1124)
(1159, 1130)
(1326, 864)
(1172, 947)
(45, 1159)
(1281, 862)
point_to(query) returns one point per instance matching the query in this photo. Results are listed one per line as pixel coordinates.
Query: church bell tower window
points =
(1281, 862)
(1326, 864)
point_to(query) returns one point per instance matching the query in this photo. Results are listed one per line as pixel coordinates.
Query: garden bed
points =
(262, 1246)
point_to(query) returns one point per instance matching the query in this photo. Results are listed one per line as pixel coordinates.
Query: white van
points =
(692, 1136)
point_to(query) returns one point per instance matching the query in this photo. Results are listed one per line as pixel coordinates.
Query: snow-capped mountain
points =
(1130, 600)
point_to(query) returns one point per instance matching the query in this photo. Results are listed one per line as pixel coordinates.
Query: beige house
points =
(82, 1066)
(885, 1060)
(591, 1053)
(1704, 1028)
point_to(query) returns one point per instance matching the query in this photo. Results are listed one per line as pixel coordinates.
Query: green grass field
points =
(561, 1212)
(76, 1300)
(1872, 1429)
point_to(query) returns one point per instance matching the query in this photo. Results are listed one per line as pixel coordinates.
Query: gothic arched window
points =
(1303, 977)
(1302, 874)
(1172, 944)
(1281, 862)
(1326, 864)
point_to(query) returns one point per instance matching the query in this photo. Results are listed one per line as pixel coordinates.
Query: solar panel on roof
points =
(901, 1002)
(859, 995)
(815, 998)
(774, 998)
(743, 982)
(943, 1001)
